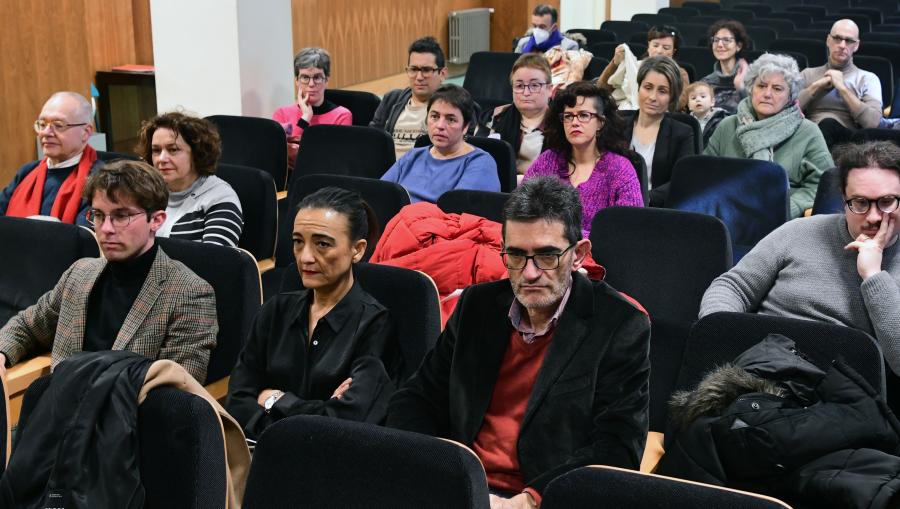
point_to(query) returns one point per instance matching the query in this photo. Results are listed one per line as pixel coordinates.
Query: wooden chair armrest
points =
(219, 389)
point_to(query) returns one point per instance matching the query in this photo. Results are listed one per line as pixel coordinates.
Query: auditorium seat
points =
(876, 16)
(693, 34)
(799, 19)
(619, 488)
(312, 461)
(816, 11)
(624, 29)
(654, 19)
(829, 198)
(762, 37)
(592, 35)
(34, 254)
(749, 196)
(409, 295)
(800, 58)
(255, 142)
(702, 6)
(882, 68)
(344, 150)
(234, 276)
(760, 10)
(700, 57)
(361, 104)
(478, 203)
(782, 27)
(259, 206)
(680, 13)
(487, 76)
(815, 51)
(738, 14)
(595, 68)
(113, 156)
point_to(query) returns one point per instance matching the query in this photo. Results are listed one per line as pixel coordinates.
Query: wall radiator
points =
(470, 31)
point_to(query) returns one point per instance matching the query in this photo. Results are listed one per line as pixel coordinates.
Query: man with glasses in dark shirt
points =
(402, 111)
(52, 186)
(838, 268)
(541, 373)
(134, 298)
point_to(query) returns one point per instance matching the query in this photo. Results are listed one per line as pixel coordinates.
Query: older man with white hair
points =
(52, 186)
(839, 93)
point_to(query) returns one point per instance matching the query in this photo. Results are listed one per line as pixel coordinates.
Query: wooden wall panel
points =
(143, 35)
(40, 58)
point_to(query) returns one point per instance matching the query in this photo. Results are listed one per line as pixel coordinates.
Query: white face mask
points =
(540, 35)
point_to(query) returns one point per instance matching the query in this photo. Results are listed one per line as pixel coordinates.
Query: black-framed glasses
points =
(118, 219)
(727, 41)
(534, 87)
(582, 116)
(839, 39)
(57, 126)
(886, 204)
(543, 261)
(318, 79)
(412, 71)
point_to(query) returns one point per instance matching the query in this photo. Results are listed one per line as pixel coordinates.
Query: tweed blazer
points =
(173, 317)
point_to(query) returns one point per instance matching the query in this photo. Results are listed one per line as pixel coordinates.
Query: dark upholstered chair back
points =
(624, 29)
(488, 76)
(361, 104)
(409, 295)
(479, 203)
(829, 198)
(749, 196)
(312, 461)
(234, 276)
(34, 254)
(255, 142)
(259, 206)
(616, 488)
(344, 150)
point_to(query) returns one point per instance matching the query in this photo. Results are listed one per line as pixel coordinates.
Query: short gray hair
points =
(312, 57)
(84, 112)
(769, 63)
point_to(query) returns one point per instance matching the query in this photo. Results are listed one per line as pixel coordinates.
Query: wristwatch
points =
(271, 400)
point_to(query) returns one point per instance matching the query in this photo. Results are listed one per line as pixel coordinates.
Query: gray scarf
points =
(758, 138)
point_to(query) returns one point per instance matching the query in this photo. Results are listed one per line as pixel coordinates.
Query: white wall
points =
(625, 9)
(229, 57)
(581, 13)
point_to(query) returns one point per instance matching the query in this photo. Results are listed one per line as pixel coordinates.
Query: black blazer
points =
(589, 403)
(674, 141)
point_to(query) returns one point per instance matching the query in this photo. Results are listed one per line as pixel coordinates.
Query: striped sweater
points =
(208, 211)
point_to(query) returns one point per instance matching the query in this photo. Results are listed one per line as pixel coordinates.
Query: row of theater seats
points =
(666, 269)
(789, 27)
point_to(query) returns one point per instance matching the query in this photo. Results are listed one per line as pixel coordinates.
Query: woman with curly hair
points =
(728, 39)
(202, 207)
(587, 150)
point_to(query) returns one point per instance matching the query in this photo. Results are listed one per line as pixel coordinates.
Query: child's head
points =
(700, 98)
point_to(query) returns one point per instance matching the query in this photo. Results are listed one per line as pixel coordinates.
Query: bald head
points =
(73, 113)
(842, 42)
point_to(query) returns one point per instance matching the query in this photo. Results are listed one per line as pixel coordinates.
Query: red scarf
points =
(28, 195)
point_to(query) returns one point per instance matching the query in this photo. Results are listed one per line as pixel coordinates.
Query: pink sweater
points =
(613, 182)
(328, 113)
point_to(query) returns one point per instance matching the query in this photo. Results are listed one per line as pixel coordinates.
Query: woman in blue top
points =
(449, 163)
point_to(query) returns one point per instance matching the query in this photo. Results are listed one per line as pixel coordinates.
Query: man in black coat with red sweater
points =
(541, 373)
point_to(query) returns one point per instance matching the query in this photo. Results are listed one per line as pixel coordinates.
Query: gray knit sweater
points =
(801, 270)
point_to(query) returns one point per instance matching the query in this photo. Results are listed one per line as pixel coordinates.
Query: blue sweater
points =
(427, 178)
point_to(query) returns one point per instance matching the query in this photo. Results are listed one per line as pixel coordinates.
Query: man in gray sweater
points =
(839, 268)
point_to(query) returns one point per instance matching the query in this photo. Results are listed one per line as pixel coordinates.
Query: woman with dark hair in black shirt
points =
(328, 349)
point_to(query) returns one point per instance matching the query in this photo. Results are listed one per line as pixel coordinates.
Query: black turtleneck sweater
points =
(112, 297)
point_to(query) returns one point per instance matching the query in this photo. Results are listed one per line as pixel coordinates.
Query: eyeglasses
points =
(56, 126)
(726, 41)
(543, 261)
(412, 71)
(886, 204)
(582, 116)
(534, 88)
(118, 219)
(318, 79)
(838, 39)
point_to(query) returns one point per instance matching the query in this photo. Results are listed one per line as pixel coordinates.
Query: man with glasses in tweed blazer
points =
(134, 298)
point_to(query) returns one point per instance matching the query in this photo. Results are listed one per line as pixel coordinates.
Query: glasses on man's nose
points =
(318, 79)
(427, 72)
(886, 204)
(543, 261)
(118, 219)
(56, 126)
(849, 41)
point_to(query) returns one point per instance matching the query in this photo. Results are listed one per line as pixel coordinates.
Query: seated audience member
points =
(449, 162)
(133, 298)
(544, 32)
(521, 124)
(839, 268)
(701, 104)
(328, 349)
(540, 373)
(402, 111)
(52, 186)
(312, 68)
(770, 126)
(838, 95)
(728, 39)
(202, 207)
(659, 139)
(586, 149)
(620, 77)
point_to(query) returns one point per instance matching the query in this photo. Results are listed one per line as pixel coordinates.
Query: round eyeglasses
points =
(886, 204)
(118, 219)
(543, 261)
(56, 126)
